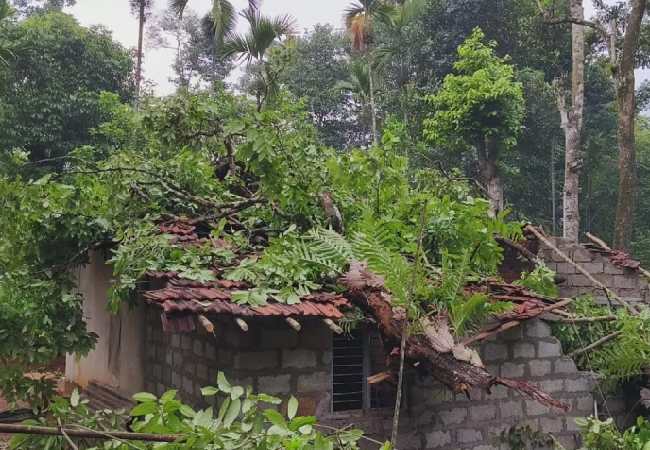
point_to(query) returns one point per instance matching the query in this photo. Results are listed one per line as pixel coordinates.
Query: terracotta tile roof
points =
(188, 298)
(617, 257)
(180, 300)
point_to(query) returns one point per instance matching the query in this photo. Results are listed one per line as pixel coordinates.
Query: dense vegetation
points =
(337, 146)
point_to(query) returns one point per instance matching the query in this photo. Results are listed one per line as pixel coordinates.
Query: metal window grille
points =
(348, 372)
(355, 357)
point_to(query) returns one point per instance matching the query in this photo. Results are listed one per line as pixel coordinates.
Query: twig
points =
(87, 433)
(579, 268)
(340, 430)
(595, 344)
(65, 435)
(400, 379)
(581, 319)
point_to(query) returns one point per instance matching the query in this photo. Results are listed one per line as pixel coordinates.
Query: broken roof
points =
(181, 299)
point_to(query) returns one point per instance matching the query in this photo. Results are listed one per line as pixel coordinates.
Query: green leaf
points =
(222, 382)
(187, 411)
(168, 395)
(236, 392)
(292, 407)
(144, 409)
(209, 391)
(233, 412)
(275, 418)
(144, 397)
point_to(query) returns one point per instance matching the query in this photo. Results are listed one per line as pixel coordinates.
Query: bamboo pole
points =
(86, 434)
(579, 268)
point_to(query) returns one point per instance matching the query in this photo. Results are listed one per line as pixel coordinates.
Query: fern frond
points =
(453, 277)
(467, 314)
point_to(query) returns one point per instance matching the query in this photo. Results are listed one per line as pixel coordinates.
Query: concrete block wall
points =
(627, 283)
(445, 421)
(271, 357)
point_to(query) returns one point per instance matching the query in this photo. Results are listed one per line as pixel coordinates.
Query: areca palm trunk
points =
(138, 66)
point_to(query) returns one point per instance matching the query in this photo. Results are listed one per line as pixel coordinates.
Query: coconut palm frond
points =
(240, 46)
(285, 25)
(224, 19)
(353, 11)
(359, 81)
(178, 6)
(254, 4)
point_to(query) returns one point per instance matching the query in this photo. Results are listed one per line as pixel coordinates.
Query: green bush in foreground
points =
(243, 420)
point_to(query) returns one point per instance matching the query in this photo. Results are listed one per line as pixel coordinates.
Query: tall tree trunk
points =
(626, 101)
(138, 66)
(572, 118)
(373, 109)
(487, 160)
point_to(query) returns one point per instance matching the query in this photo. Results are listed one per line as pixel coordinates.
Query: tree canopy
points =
(48, 109)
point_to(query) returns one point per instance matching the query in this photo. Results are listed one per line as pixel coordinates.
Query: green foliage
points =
(525, 438)
(480, 100)
(167, 162)
(243, 419)
(604, 435)
(48, 108)
(40, 321)
(618, 360)
(540, 280)
(466, 311)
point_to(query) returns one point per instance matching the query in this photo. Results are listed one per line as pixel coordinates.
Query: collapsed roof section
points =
(185, 304)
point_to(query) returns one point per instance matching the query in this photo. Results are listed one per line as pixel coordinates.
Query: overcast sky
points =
(116, 15)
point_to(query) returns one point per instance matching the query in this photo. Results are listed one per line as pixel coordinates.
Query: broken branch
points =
(596, 344)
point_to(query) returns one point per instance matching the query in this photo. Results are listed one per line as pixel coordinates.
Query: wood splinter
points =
(293, 323)
(206, 324)
(332, 326)
(241, 323)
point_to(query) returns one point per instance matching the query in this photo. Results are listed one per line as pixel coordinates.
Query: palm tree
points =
(142, 9)
(396, 52)
(359, 20)
(263, 33)
(358, 84)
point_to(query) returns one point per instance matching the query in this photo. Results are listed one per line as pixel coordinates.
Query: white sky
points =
(116, 15)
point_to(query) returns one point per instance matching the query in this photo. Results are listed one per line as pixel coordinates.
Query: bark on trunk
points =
(365, 290)
(138, 65)
(572, 118)
(487, 158)
(626, 101)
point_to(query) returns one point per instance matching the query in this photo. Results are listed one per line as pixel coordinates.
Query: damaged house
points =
(458, 395)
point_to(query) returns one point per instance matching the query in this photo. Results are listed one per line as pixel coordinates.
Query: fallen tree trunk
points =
(366, 290)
